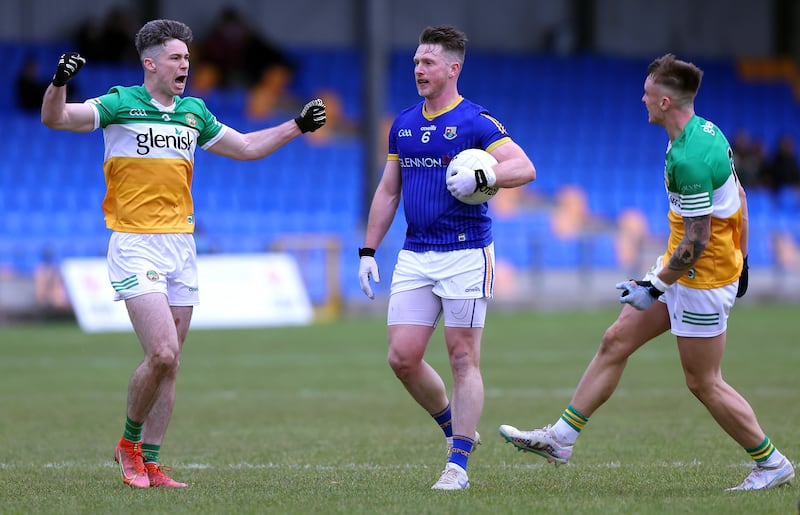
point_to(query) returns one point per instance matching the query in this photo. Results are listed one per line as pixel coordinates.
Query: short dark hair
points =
(681, 77)
(450, 38)
(157, 32)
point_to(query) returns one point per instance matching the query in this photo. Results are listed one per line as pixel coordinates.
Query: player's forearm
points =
(381, 215)
(514, 172)
(67, 116)
(745, 222)
(53, 107)
(697, 231)
(682, 260)
(260, 144)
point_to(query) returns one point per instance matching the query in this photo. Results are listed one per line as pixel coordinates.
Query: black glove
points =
(480, 179)
(312, 117)
(68, 67)
(743, 279)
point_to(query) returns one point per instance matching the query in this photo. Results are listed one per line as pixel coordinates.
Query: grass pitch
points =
(312, 420)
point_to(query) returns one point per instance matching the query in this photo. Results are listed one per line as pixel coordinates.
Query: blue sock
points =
(444, 419)
(462, 447)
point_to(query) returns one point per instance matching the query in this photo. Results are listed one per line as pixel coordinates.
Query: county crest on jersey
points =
(423, 144)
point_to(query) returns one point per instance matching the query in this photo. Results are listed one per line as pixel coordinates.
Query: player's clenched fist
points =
(68, 66)
(312, 117)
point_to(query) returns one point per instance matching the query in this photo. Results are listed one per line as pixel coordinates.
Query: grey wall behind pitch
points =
(710, 28)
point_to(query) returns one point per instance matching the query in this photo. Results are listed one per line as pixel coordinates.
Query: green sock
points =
(569, 425)
(762, 453)
(133, 430)
(574, 418)
(150, 452)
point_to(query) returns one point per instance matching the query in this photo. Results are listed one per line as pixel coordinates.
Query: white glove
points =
(464, 181)
(639, 294)
(367, 268)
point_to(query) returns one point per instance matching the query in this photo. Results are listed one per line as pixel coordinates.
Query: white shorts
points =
(422, 307)
(154, 263)
(458, 274)
(426, 285)
(696, 312)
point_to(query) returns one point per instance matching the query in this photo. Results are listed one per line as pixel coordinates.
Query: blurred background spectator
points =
(782, 170)
(591, 207)
(234, 55)
(748, 156)
(110, 39)
(30, 85)
(51, 294)
(633, 242)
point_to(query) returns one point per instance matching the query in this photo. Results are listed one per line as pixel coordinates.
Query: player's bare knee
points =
(402, 364)
(462, 361)
(164, 360)
(613, 345)
(700, 387)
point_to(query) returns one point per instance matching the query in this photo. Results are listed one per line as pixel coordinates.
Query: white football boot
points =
(538, 441)
(453, 478)
(763, 477)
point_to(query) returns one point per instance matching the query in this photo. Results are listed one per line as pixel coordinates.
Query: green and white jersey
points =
(700, 180)
(149, 158)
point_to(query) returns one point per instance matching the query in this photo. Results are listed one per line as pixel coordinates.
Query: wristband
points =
(658, 284)
(366, 251)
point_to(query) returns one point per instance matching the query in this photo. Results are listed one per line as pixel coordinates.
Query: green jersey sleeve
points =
(693, 182)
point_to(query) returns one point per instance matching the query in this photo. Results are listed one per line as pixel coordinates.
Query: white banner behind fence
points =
(241, 290)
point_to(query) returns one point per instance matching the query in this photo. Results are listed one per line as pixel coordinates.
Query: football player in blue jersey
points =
(446, 266)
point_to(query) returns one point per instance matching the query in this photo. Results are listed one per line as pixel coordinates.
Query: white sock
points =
(564, 433)
(774, 459)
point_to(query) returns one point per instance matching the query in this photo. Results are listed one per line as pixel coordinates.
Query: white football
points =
(474, 159)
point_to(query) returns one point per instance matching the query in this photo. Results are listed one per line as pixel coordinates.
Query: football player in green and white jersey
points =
(690, 291)
(151, 134)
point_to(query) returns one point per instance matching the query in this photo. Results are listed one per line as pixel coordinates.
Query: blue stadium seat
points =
(52, 181)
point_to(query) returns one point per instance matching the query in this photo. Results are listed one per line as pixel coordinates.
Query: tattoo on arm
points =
(697, 231)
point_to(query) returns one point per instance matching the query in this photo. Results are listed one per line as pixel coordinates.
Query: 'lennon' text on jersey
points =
(422, 162)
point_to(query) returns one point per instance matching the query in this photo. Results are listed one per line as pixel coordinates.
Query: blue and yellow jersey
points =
(700, 180)
(149, 158)
(424, 143)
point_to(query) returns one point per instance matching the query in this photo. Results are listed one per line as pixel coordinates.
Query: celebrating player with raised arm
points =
(151, 134)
